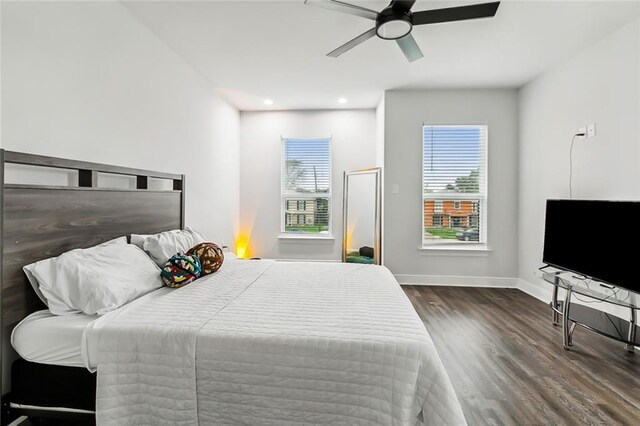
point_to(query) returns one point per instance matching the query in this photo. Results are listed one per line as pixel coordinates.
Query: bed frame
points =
(42, 221)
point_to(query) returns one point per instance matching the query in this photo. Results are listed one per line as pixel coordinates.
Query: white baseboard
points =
(540, 292)
(457, 281)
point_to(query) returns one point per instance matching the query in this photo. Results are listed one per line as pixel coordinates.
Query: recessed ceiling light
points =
(342, 101)
(268, 102)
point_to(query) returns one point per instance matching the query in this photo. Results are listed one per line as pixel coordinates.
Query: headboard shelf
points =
(63, 163)
(42, 221)
(82, 188)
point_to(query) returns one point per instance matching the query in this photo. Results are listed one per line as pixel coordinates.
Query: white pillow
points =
(96, 280)
(139, 239)
(165, 244)
(34, 282)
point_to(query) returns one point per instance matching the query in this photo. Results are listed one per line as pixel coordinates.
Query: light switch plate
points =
(395, 188)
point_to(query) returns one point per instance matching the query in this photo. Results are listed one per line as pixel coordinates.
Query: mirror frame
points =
(377, 240)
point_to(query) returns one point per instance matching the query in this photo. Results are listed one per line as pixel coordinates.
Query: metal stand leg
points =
(632, 331)
(567, 330)
(555, 317)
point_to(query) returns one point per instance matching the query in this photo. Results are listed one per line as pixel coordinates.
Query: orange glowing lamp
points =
(242, 244)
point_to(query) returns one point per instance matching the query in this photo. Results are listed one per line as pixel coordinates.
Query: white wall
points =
(380, 117)
(600, 85)
(87, 81)
(406, 112)
(353, 146)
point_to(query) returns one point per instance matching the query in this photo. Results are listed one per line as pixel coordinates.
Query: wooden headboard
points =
(41, 221)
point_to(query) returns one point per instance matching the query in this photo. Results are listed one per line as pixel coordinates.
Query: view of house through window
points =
(306, 186)
(454, 185)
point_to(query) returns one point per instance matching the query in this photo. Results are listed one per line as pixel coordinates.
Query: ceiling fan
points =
(396, 21)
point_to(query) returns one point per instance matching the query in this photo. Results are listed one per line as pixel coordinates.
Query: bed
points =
(258, 342)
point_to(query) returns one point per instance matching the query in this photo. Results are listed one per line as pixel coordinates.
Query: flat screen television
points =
(596, 239)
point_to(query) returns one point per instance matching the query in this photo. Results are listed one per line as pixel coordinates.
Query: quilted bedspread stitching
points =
(263, 346)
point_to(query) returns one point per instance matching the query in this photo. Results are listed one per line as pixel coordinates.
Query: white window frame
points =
(305, 196)
(455, 245)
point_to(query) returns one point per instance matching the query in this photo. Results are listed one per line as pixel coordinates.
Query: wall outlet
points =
(584, 131)
(591, 130)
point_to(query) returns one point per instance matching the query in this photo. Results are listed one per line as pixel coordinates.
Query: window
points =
(454, 184)
(306, 186)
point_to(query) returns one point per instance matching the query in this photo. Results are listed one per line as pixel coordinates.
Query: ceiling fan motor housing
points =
(393, 24)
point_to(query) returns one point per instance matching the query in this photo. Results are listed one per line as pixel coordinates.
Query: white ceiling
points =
(252, 50)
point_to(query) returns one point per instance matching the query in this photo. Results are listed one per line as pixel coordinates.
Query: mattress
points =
(272, 343)
(45, 338)
(62, 340)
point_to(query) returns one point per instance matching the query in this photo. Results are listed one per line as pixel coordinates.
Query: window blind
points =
(454, 184)
(306, 186)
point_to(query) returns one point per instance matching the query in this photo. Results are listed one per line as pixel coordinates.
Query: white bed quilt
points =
(274, 343)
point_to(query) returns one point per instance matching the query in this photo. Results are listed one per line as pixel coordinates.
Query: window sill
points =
(455, 250)
(302, 238)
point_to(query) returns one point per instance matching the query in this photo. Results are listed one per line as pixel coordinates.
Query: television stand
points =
(570, 314)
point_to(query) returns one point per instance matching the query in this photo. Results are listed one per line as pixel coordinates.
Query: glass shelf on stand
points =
(590, 317)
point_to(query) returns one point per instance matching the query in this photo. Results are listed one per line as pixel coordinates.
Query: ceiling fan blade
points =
(410, 48)
(341, 6)
(402, 5)
(461, 13)
(352, 43)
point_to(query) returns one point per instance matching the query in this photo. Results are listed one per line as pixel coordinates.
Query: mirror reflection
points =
(362, 219)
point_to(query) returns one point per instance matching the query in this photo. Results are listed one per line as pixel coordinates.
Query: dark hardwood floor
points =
(508, 367)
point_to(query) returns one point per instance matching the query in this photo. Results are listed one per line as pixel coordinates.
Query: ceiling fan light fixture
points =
(393, 30)
(392, 25)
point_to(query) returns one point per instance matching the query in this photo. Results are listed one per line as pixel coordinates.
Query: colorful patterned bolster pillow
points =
(210, 255)
(180, 270)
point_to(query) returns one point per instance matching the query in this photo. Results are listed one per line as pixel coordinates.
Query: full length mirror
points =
(362, 235)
